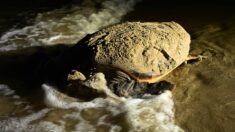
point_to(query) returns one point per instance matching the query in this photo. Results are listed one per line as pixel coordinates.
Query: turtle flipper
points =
(195, 57)
(123, 85)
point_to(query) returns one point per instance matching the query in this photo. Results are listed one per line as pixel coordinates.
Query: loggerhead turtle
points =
(135, 56)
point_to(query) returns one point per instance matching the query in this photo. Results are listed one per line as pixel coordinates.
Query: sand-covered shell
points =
(143, 50)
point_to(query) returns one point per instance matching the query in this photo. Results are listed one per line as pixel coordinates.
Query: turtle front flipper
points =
(123, 85)
(141, 89)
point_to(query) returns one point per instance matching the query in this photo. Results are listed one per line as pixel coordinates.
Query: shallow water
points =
(209, 100)
(203, 99)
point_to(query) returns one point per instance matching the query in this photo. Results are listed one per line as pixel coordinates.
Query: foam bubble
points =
(5, 90)
(153, 114)
(56, 99)
(25, 124)
(84, 127)
(65, 25)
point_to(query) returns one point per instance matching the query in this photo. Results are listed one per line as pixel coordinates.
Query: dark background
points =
(19, 12)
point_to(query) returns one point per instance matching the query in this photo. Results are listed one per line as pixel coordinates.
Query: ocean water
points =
(203, 99)
(66, 26)
(152, 114)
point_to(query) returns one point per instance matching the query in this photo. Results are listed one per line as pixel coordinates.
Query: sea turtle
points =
(134, 56)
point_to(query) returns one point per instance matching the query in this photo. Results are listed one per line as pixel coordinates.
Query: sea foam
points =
(152, 113)
(66, 25)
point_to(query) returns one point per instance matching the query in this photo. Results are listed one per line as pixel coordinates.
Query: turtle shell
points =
(145, 51)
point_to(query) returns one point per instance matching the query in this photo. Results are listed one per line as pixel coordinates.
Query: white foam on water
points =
(65, 25)
(84, 127)
(152, 113)
(6, 91)
(155, 113)
(24, 124)
(54, 98)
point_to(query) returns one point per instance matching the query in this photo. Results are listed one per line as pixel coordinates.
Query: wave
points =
(153, 113)
(67, 25)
